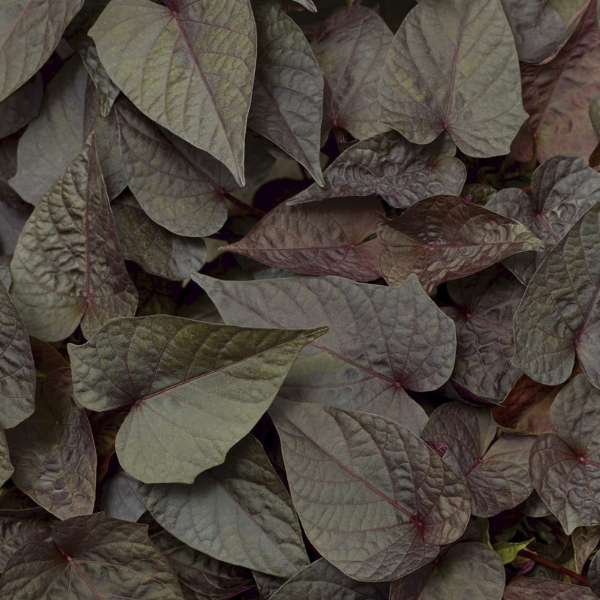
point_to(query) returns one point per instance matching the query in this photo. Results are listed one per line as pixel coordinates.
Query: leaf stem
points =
(554, 566)
(259, 214)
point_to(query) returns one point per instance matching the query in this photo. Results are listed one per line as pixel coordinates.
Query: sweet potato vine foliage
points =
(299, 299)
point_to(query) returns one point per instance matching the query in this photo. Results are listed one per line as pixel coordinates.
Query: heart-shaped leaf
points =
(287, 102)
(496, 473)
(19, 529)
(29, 33)
(195, 389)
(53, 451)
(238, 512)
(390, 501)
(163, 58)
(411, 343)
(453, 67)
(469, 570)
(557, 95)
(351, 46)
(444, 237)
(329, 238)
(400, 172)
(155, 249)
(21, 106)
(91, 557)
(66, 271)
(120, 498)
(539, 588)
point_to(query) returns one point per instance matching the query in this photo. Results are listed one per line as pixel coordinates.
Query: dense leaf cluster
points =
(299, 300)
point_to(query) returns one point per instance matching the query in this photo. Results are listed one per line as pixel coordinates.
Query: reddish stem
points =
(168, 4)
(526, 189)
(554, 566)
(259, 214)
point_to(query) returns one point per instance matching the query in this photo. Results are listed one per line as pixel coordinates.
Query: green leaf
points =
(66, 271)
(336, 369)
(91, 557)
(287, 102)
(400, 172)
(163, 58)
(507, 551)
(358, 483)
(238, 512)
(53, 451)
(453, 67)
(195, 389)
(30, 31)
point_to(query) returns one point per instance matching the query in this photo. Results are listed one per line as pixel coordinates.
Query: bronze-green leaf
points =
(540, 588)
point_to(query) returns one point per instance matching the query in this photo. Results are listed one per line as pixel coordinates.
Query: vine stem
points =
(259, 214)
(554, 566)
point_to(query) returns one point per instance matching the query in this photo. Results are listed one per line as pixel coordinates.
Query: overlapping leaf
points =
(444, 238)
(91, 557)
(53, 451)
(469, 570)
(238, 512)
(351, 46)
(21, 106)
(381, 340)
(68, 267)
(120, 498)
(496, 473)
(539, 588)
(195, 389)
(453, 67)
(330, 238)
(163, 58)
(19, 529)
(400, 172)
(376, 501)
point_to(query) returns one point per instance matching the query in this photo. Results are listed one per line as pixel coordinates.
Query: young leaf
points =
(53, 451)
(507, 551)
(29, 33)
(164, 59)
(487, 302)
(21, 106)
(538, 588)
(68, 267)
(557, 95)
(444, 237)
(17, 369)
(400, 172)
(91, 557)
(329, 238)
(453, 67)
(558, 316)
(468, 570)
(195, 389)
(376, 501)
(564, 467)
(120, 498)
(322, 580)
(351, 46)
(238, 512)
(19, 530)
(496, 473)
(287, 102)
(381, 340)
(155, 249)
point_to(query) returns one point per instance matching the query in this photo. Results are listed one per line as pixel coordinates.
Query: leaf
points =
(309, 4)
(105, 427)
(66, 271)
(287, 102)
(444, 238)
(13, 216)
(194, 391)
(534, 588)
(200, 95)
(486, 303)
(557, 318)
(91, 557)
(507, 551)
(180, 187)
(30, 32)
(238, 512)
(351, 46)
(207, 577)
(330, 238)
(120, 498)
(538, 29)
(594, 574)
(469, 570)
(5, 277)
(46, 358)
(400, 172)
(21, 106)
(496, 473)
(155, 249)
(6, 468)
(322, 580)
(376, 502)
(17, 531)
(453, 67)
(392, 323)
(585, 540)
(557, 95)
